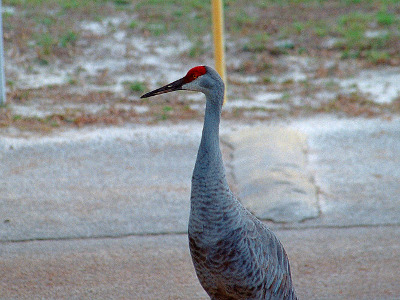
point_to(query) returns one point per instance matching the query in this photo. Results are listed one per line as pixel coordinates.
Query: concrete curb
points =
(269, 166)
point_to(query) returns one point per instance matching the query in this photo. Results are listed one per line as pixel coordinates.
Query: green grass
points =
(167, 109)
(133, 24)
(156, 29)
(122, 2)
(197, 49)
(385, 18)
(68, 38)
(46, 3)
(353, 20)
(16, 117)
(166, 112)
(191, 16)
(321, 28)
(45, 20)
(378, 57)
(298, 27)
(46, 42)
(257, 42)
(242, 19)
(135, 87)
(353, 27)
(54, 25)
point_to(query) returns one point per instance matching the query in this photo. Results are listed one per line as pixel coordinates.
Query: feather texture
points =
(234, 254)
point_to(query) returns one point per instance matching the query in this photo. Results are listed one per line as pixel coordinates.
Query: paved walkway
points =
(102, 214)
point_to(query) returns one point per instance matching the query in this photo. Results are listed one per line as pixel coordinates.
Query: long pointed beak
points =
(173, 86)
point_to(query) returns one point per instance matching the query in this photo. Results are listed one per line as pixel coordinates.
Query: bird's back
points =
(237, 257)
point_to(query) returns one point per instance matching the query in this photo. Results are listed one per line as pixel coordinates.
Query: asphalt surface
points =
(102, 213)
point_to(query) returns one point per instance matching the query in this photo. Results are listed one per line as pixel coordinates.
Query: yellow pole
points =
(218, 33)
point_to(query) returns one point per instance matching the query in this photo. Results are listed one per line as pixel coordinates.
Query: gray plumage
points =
(234, 254)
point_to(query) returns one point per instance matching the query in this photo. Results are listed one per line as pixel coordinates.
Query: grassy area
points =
(307, 23)
(41, 34)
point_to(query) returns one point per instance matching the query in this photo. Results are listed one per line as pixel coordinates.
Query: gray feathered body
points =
(234, 254)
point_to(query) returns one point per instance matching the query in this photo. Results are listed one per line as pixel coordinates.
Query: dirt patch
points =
(87, 63)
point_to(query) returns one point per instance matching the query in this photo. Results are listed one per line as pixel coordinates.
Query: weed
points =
(285, 97)
(156, 29)
(352, 27)
(354, 104)
(187, 108)
(332, 85)
(16, 117)
(191, 17)
(355, 44)
(354, 19)
(267, 80)
(165, 114)
(298, 27)
(135, 86)
(350, 2)
(10, 83)
(47, 21)
(242, 20)
(381, 41)
(46, 43)
(70, 4)
(301, 50)
(72, 81)
(197, 49)
(133, 24)
(385, 18)
(288, 81)
(122, 2)
(346, 54)
(20, 95)
(162, 117)
(68, 38)
(378, 57)
(321, 29)
(257, 43)
(167, 109)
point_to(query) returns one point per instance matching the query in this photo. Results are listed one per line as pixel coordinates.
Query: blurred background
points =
(73, 63)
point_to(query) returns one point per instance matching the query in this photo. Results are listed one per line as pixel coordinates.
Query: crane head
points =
(191, 81)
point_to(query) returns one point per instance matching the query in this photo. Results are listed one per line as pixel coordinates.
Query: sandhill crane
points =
(234, 254)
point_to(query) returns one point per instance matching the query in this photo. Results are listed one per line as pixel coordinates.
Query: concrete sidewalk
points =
(102, 213)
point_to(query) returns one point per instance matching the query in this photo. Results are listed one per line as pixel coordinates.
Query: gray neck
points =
(211, 197)
(212, 201)
(209, 158)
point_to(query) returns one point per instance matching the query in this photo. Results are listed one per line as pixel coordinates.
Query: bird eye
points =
(194, 76)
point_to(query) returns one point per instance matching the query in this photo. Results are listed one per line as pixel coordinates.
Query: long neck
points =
(211, 200)
(209, 158)
(210, 190)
